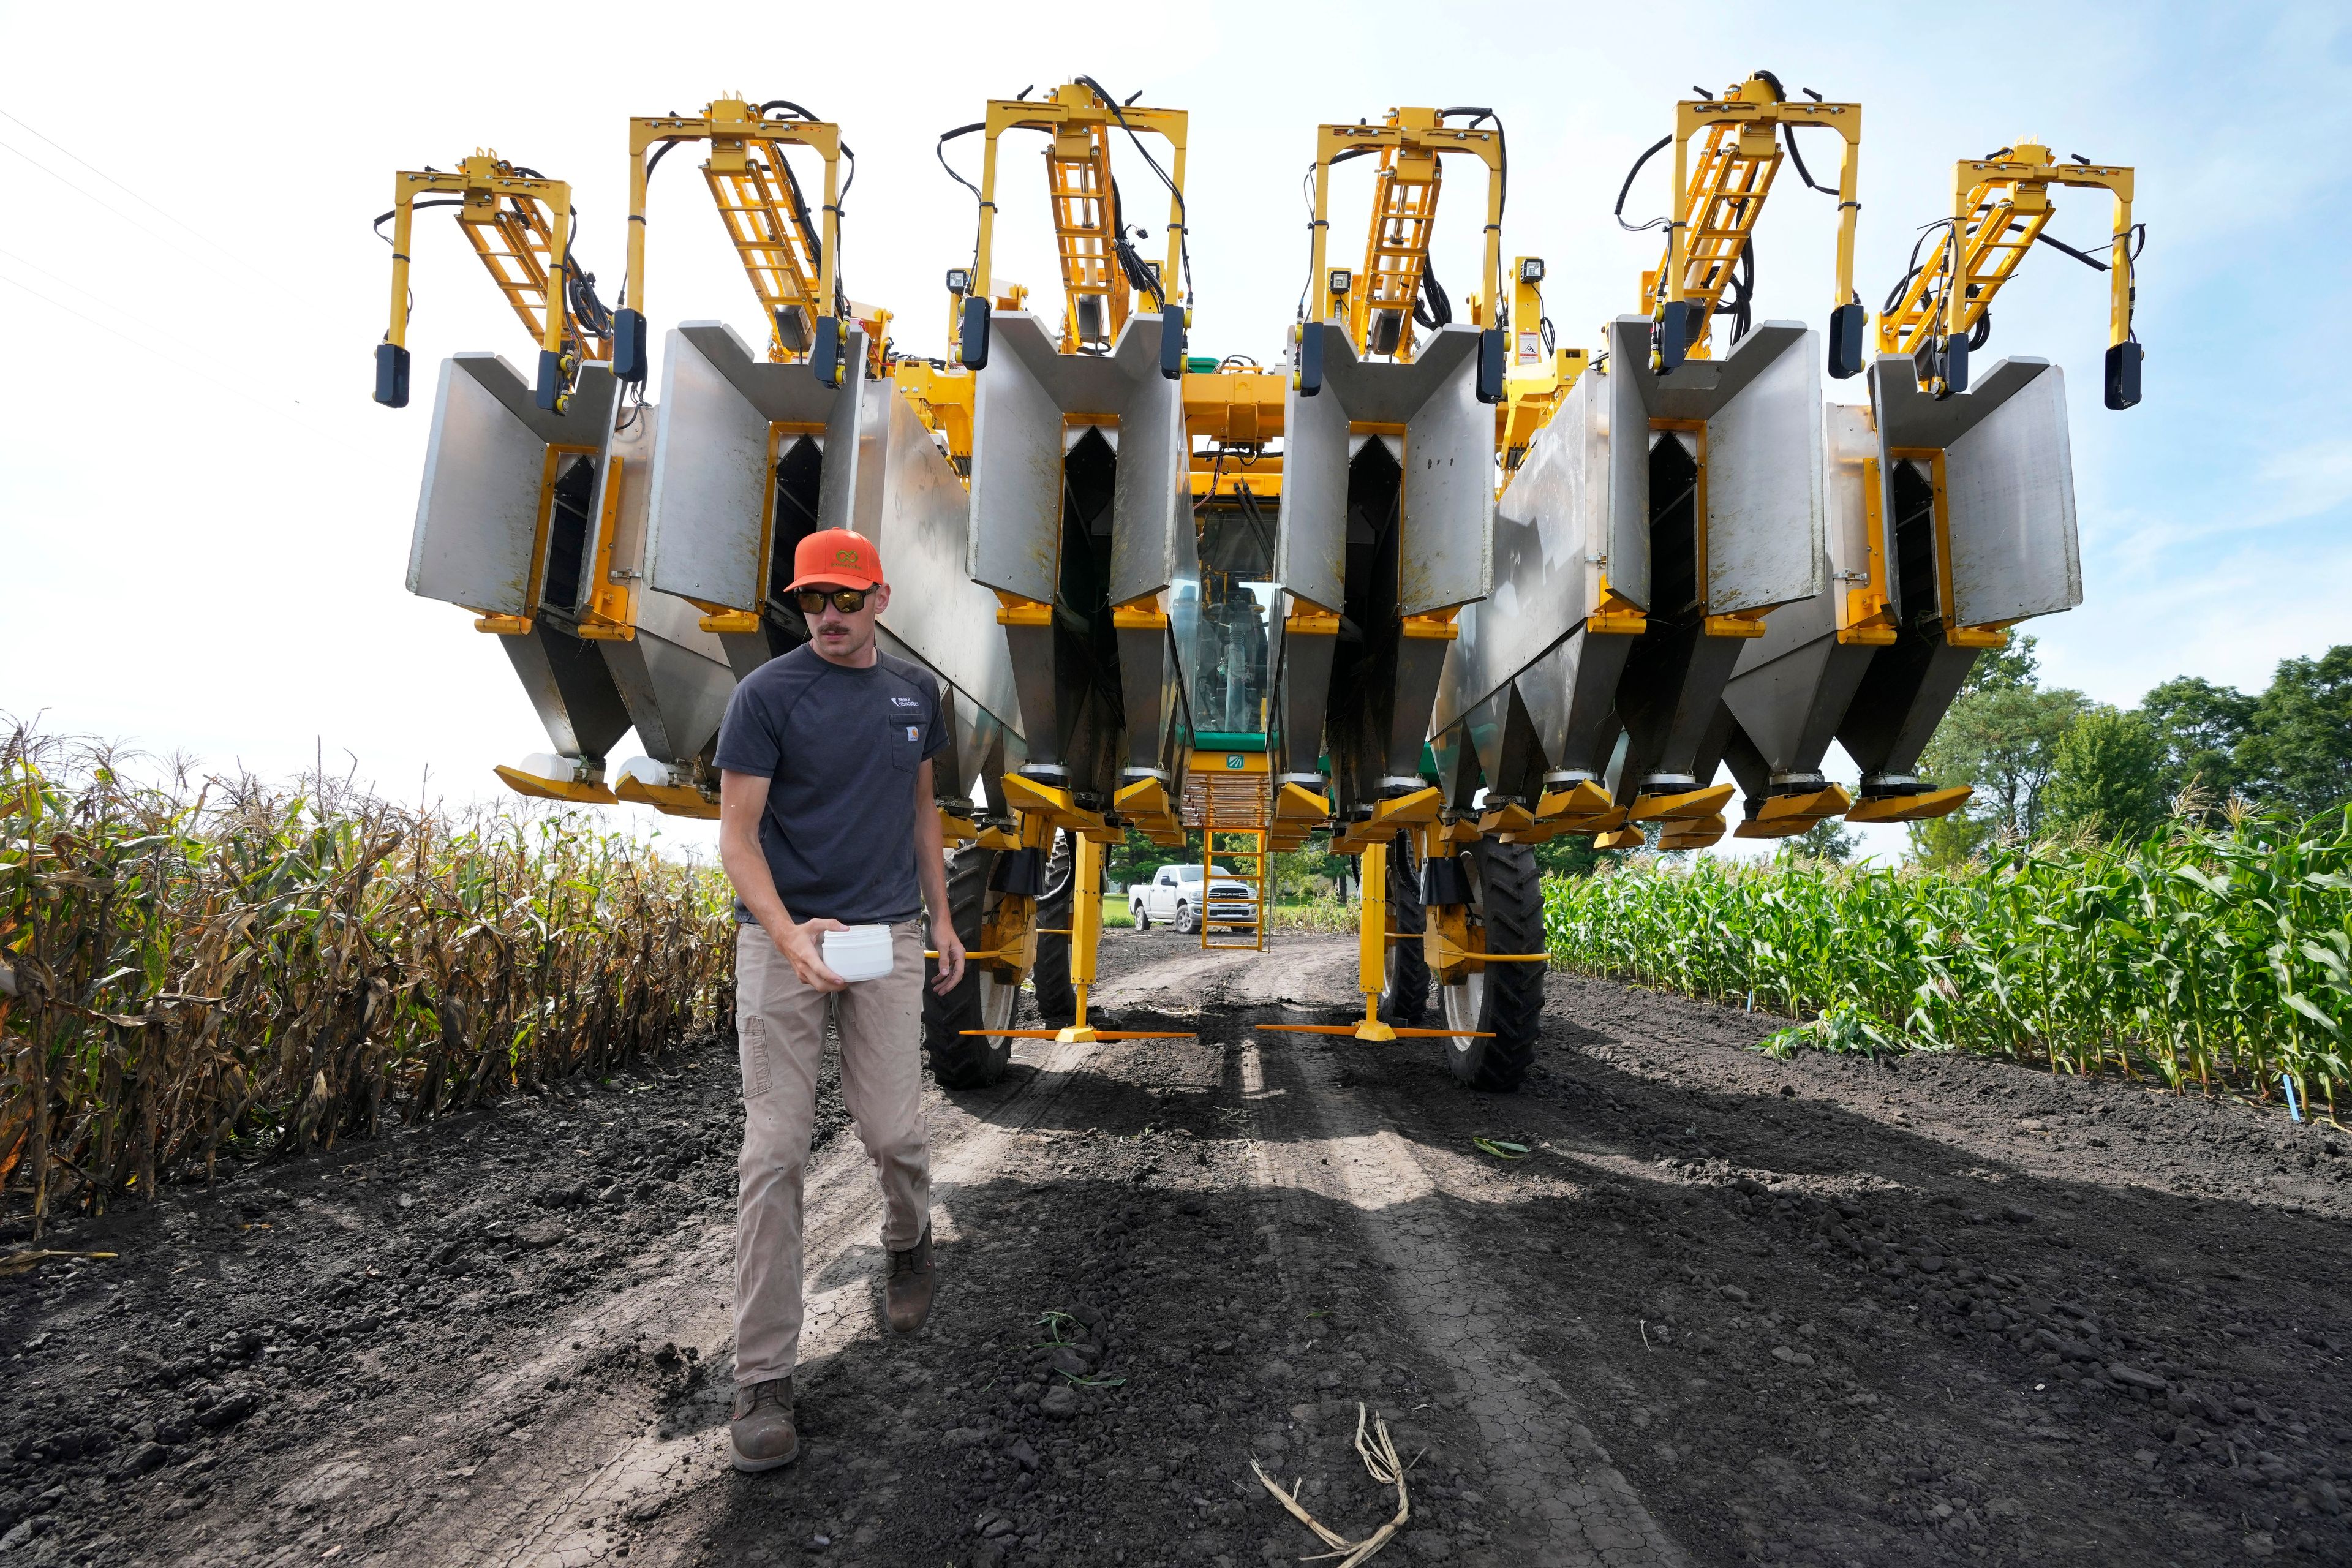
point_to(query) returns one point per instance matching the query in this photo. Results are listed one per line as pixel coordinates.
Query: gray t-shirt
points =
(840, 747)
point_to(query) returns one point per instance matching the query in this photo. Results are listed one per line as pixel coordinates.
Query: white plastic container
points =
(859, 953)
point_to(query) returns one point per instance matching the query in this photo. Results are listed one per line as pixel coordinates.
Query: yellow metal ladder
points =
(1234, 830)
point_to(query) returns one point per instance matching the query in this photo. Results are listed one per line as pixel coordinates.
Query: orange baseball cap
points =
(838, 556)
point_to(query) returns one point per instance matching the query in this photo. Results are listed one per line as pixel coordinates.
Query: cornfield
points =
(1324, 914)
(2215, 959)
(191, 972)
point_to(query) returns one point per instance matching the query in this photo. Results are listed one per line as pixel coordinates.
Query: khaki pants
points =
(780, 1026)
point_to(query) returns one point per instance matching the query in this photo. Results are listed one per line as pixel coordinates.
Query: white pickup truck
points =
(1173, 896)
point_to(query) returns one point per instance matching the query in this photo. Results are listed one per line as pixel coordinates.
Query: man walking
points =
(826, 820)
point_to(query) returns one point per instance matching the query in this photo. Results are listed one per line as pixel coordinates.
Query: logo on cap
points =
(845, 558)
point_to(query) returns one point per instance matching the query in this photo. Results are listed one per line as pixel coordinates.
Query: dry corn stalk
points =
(1380, 1462)
(233, 968)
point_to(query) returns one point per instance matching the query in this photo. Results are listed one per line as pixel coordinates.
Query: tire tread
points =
(1511, 888)
(959, 1060)
(1405, 999)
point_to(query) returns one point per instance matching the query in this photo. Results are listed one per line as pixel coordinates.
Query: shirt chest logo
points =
(914, 731)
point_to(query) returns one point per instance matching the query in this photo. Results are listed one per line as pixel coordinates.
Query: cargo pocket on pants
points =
(751, 1034)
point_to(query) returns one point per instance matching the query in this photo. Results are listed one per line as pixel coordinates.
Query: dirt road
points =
(1827, 1311)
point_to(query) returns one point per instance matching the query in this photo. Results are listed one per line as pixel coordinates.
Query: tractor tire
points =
(1058, 1001)
(1405, 999)
(981, 1000)
(1188, 919)
(1505, 1000)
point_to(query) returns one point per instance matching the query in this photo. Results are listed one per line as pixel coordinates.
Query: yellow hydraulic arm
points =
(519, 224)
(790, 255)
(1539, 373)
(2000, 205)
(1718, 203)
(1375, 308)
(1104, 281)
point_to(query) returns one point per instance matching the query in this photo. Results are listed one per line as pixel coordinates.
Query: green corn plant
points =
(2219, 958)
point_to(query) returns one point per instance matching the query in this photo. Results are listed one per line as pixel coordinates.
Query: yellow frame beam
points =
(2000, 207)
(1405, 132)
(736, 129)
(1071, 111)
(531, 217)
(1752, 111)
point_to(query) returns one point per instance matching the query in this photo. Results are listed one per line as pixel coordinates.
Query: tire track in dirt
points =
(1794, 1312)
(1853, 1330)
(1312, 1146)
(527, 1510)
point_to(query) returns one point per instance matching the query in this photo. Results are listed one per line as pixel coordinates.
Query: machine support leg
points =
(1086, 930)
(1372, 940)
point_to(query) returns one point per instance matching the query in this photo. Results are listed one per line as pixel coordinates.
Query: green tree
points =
(2107, 776)
(2001, 738)
(1826, 842)
(1951, 840)
(1135, 858)
(2297, 755)
(2198, 728)
(2014, 667)
(1570, 855)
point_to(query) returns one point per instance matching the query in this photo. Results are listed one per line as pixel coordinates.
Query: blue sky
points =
(204, 521)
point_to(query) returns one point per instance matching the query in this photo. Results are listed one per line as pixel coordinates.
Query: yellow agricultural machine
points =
(1435, 588)
(531, 510)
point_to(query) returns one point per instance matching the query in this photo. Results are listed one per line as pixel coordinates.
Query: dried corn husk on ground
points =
(1379, 1455)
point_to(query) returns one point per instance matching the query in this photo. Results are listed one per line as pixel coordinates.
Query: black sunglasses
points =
(848, 601)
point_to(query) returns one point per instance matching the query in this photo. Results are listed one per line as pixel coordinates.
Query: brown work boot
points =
(761, 1436)
(906, 1298)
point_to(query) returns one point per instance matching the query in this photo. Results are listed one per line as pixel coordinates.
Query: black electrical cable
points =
(384, 218)
(1627, 188)
(1741, 306)
(1183, 221)
(579, 288)
(1788, 135)
(810, 233)
(1307, 181)
(940, 151)
(594, 317)
(1982, 331)
(846, 150)
(1911, 267)
(2085, 256)
(1139, 275)
(1433, 309)
(1502, 151)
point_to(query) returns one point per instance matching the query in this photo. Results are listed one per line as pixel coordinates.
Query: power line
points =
(127, 191)
(86, 195)
(176, 248)
(160, 334)
(150, 349)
